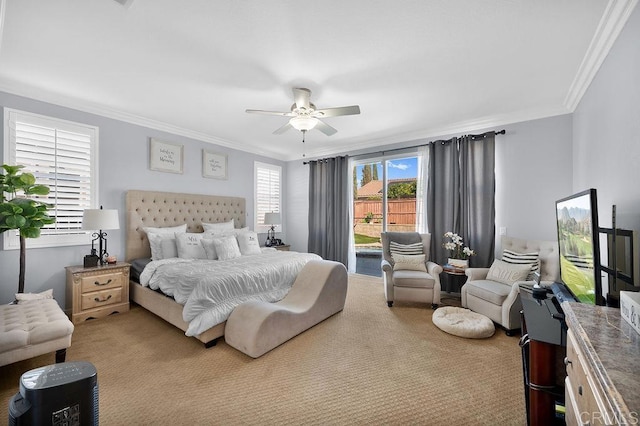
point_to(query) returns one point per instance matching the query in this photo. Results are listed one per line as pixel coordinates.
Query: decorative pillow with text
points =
(507, 273)
(530, 259)
(189, 246)
(248, 242)
(411, 262)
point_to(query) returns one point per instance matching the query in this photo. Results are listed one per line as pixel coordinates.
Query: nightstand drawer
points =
(101, 298)
(101, 282)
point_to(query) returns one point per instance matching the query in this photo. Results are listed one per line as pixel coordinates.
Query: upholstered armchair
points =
(500, 300)
(408, 273)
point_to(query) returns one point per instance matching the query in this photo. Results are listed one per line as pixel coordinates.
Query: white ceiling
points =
(417, 68)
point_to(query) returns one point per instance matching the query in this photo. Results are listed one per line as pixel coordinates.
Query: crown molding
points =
(41, 95)
(443, 132)
(344, 148)
(613, 20)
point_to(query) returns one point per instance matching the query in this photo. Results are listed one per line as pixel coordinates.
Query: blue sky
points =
(399, 168)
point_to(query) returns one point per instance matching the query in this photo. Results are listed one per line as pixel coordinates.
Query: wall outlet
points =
(503, 230)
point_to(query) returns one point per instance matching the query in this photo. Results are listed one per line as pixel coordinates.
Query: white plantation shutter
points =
(267, 193)
(63, 156)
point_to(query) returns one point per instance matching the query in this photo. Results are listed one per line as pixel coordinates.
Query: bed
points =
(165, 209)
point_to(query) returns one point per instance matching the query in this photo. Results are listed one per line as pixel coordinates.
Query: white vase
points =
(458, 263)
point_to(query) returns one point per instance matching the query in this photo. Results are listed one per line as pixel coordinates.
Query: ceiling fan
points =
(305, 116)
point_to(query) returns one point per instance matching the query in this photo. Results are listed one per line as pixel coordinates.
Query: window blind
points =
(62, 156)
(267, 195)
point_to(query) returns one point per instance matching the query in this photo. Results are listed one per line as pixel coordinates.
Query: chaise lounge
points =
(319, 291)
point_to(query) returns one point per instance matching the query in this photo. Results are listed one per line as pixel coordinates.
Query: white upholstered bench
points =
(34, 328)
(319, 291)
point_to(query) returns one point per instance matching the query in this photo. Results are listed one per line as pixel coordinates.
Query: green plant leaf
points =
(27, 179)
(38, 190)
(12, 170)
(30, 232)
(15, 221)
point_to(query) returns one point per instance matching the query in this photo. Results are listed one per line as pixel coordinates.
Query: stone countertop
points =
(612, 349)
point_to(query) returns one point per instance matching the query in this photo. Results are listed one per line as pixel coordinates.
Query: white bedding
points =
(210, 289)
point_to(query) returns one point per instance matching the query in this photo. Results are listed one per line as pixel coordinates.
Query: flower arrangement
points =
(455, 246)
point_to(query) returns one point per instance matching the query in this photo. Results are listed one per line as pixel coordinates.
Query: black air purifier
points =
(56, 395)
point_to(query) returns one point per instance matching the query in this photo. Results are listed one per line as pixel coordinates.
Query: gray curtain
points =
(477, 196)
(461, 196)
(443, 203)
(329, 182)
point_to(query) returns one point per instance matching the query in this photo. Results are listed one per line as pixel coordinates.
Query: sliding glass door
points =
(384, 199)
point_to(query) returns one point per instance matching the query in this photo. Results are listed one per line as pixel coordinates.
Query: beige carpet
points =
(366, 365)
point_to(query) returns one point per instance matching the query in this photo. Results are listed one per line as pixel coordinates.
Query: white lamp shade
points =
(272, 219)
(303, 123)
(100, 219)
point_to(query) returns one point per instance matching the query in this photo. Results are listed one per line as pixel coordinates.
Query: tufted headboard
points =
(548, 254)
(157, 209)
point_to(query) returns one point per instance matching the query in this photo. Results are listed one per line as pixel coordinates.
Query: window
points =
(62, 155)
(267, 195)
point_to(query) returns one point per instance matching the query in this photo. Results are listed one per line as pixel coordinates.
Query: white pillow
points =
(248, 242)
(217, 228)
(209, 248)
(507, 273)
(409, 262)
(227, 233)
(23, 298)
(165, 230)
(531, 259)
(163, 246)
(189, 246)
(227, 248)
(156, 237)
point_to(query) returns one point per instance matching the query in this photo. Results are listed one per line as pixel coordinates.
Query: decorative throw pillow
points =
(507, 273)
(515, 258)
(189, 246)
(209, 248)
(227, 248)
(406, 249)
(248, 242)
(412, 262)
(156, 237)
(218, 228)
(226, 233)
(23, 298)
(163, 246)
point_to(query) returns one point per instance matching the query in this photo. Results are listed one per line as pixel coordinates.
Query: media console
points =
(544, 335)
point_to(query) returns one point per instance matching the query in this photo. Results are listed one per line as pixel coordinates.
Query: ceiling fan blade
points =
(259, 111)
(282, 129)
(325, 128)
(334, 112)
(301, 97)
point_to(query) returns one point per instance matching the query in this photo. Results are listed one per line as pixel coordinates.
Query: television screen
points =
(578, 238)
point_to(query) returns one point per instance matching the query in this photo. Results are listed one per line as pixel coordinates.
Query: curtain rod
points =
(481, 135)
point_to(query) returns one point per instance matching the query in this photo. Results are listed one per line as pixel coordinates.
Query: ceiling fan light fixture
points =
(303, 123)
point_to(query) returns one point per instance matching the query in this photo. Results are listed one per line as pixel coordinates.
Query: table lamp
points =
(100, 219)
(271, 219)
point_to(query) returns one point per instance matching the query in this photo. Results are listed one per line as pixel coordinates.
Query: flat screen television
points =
(578, 238)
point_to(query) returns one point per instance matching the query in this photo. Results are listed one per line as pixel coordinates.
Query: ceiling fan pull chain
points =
(303, 145)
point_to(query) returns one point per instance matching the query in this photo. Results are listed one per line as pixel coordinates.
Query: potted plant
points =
(459, 253)
(18, 211)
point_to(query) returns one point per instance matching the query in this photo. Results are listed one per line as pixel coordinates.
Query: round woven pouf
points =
(463, 322)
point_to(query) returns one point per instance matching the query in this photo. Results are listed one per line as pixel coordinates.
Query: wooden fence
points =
(400, 211)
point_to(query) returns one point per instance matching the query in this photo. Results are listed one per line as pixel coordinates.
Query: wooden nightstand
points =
(98, 291)
(283, 247)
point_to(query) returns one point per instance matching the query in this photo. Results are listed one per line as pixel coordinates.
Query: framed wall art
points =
(165, 156)
(214, 165)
